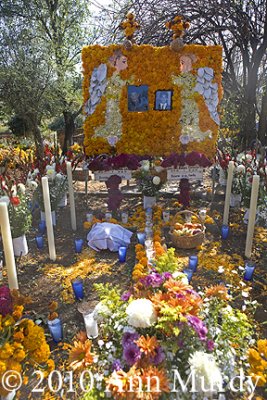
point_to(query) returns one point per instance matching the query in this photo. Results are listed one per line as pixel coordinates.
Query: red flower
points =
(15, 201)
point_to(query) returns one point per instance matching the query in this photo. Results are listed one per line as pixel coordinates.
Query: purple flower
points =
(116, 365)
(210, 345)
(198, 326)
(126, 295)
(167, 275)
(129, 338)
(159, 357)
(5, 301)
(131, 354)
(154, 279)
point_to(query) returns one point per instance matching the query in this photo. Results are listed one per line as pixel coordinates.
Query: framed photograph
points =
(138, 98)
(163, 100)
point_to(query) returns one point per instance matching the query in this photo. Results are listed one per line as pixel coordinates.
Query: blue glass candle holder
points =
(77, 286)
(193, 261)
(55, 328)
(225, 231)
(39, 241)
(42, 227)
(189, 273)
(122, 254)
(141, 236)
(78, 243)
(249, 271)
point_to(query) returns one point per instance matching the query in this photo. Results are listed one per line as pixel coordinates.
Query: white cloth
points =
(108, 236)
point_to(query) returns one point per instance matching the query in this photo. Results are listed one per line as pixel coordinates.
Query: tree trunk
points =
(262, 132)
(38, 140)
(69, 120)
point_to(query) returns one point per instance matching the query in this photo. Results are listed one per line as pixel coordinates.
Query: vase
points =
(235, 200)
(20, 246)
(222, 177)
(149, 201)
(64, 201)
(53, 213)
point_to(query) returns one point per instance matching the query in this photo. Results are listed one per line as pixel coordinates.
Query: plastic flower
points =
(129, 338)
(198, 326)
(141, 313)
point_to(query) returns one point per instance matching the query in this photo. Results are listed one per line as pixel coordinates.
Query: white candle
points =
(48, 219)
(228, 192)
(90, 325)
(124, 217)
(8, 247)
(89, 217)
(166, 216)
(71, 196)
(252, 214)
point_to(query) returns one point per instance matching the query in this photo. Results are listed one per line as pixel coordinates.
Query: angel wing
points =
(98, 84)
(209, 91)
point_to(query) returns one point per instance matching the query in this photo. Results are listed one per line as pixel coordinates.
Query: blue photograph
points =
(163, 101)
(138, 98)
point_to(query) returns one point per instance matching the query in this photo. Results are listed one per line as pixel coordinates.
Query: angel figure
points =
(190, 83)
(112, 88)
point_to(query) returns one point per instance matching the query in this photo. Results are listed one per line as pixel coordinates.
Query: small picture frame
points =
(137, 98)
(163, 100)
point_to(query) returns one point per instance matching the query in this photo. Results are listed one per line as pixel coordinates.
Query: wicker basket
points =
(187, 242)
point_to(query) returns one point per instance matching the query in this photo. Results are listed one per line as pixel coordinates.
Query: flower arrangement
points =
(149, 132)
(178, 25)
(20, 217)
(130, 25)
(148, 180)
(162, 324)
(23, 343)
(58, 185)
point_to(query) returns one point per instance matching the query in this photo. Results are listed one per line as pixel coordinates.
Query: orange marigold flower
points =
(148, 345)
(80, 355)
(219, 291)
(53, 306)
(81, 336)
(18, 336)
(17, 313)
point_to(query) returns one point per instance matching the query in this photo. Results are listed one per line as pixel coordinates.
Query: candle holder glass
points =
(108, 216)
(78, 243)
(77, 286)
(141, 236)
(55, 328)
(189, 274)
(122, 253)
(39, 242)
(193, 261)
(225, 231)
(42, 227)
(90, 325)
(249, 270)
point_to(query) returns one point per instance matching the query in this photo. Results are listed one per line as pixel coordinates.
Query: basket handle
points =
(190, 212)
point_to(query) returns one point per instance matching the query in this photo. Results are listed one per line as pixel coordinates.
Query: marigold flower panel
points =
(150, 132)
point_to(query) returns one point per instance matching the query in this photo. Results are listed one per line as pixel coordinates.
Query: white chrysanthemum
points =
(141, 313)
(101, 311)
(32, 184)
(207, 374)
(21, 188)
(241, 169)
(156, 180)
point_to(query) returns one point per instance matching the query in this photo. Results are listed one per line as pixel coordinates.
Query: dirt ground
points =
(43, 288)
